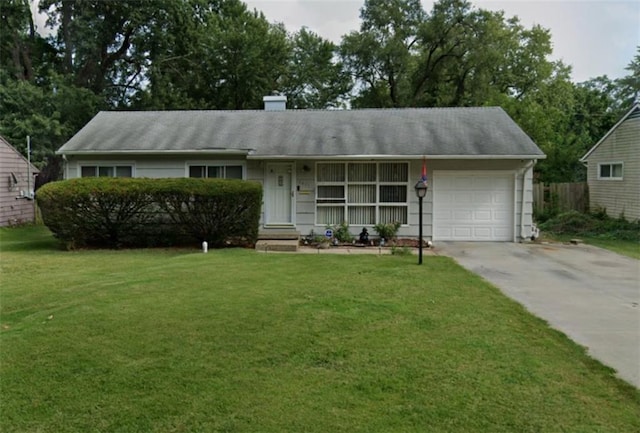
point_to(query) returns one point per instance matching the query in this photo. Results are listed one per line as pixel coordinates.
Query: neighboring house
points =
(16, 186)
(325, 167)
(613, 169)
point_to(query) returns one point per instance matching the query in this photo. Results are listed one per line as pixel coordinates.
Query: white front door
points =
(279, 194)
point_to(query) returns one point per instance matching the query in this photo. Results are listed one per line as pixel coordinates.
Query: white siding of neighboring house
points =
(14, 210)
(618, 197)
(305, 188)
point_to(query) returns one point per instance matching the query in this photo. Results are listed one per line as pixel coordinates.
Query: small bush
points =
(401, 251)
(341, 232)
(115, 212)
(388, 231)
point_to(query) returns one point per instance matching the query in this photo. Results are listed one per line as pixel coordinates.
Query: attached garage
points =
(473, 206)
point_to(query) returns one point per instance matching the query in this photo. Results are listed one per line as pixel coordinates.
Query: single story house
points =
(326, 167)
(16, 186)
(613, 168)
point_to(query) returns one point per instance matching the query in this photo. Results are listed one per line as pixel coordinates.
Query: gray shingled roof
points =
(456, 132)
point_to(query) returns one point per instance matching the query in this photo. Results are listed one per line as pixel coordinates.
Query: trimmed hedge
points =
(137, 212)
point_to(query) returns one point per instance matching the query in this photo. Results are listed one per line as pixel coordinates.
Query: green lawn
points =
(238, 341)
(626, 248)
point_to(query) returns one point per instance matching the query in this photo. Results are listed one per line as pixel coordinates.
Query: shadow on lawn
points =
(27, 238)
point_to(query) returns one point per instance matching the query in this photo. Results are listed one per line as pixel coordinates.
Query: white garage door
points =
(472, 206)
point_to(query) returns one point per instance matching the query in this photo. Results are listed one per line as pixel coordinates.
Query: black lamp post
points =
(421, 191)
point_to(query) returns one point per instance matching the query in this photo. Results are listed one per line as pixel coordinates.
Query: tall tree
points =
(213, 54)
(629, 86)
(98, 43)
(379, 56)
(313, 79)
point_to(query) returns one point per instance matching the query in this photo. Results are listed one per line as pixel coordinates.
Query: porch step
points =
(279, 234)
(277, 245)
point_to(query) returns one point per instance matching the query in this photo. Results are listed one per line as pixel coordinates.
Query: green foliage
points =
(313, 79)
(49, 113)
(388, 231)
(115, 212)
(401, 251)
(212, 210)
(596, 224)
(341, 232)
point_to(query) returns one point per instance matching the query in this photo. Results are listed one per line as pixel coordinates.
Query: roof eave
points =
(241, 152)
(595, 146)
(395, 157)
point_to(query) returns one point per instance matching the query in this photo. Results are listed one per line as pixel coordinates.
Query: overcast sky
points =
(595, 37)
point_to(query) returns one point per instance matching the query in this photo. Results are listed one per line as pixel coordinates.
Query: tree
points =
(629, 86)
(455, 56)
(379, 55)
(313, 78)
(98, 43)
(212, 55)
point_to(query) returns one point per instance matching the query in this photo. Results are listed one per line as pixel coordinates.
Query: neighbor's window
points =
(106, 171)
(216, 171)
(362, 193)
(610, 171)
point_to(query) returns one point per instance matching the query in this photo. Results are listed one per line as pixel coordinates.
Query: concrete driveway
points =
(590, 294)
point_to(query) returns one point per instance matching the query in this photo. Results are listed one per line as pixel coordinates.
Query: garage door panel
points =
(481, 197)
(503, 233)
(500, 215)
(473, 206)
(501, 199)
(461, 232)
(483, 233)
(483, 215)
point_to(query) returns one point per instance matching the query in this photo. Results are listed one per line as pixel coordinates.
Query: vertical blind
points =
(375, 192)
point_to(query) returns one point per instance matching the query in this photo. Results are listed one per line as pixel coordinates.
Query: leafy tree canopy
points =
(218, 54)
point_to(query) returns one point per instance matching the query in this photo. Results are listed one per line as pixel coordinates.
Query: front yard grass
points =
(239, 341)
(627, 248)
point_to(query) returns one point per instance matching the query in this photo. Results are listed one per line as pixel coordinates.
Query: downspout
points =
(29, 194)
(525, 170)
(65, 164)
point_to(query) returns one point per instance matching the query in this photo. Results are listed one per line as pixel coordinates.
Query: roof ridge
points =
(307, 110)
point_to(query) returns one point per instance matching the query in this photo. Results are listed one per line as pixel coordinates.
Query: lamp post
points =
(421, 191)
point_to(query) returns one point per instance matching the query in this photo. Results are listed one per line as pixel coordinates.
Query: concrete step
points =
(278, 234)
(266, 245)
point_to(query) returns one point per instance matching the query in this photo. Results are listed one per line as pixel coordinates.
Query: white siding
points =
(618, 197)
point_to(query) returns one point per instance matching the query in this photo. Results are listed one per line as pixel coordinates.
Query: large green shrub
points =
(211, 209)
(114, 212)
(596, 224)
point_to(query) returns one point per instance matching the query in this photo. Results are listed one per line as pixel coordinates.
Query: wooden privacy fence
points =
(562, 196)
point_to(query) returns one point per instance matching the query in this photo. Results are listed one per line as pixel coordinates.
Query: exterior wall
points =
(304, 188)
(618, 197)
(145, 166)
(15, 210)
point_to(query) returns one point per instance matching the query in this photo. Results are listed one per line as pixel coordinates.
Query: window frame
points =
(611, 171)
(107, 164)
(217, 163)
(346, 204)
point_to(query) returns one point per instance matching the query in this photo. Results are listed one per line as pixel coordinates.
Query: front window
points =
(362, 193)
(216, 171)
(610, 171)
(106, 171)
